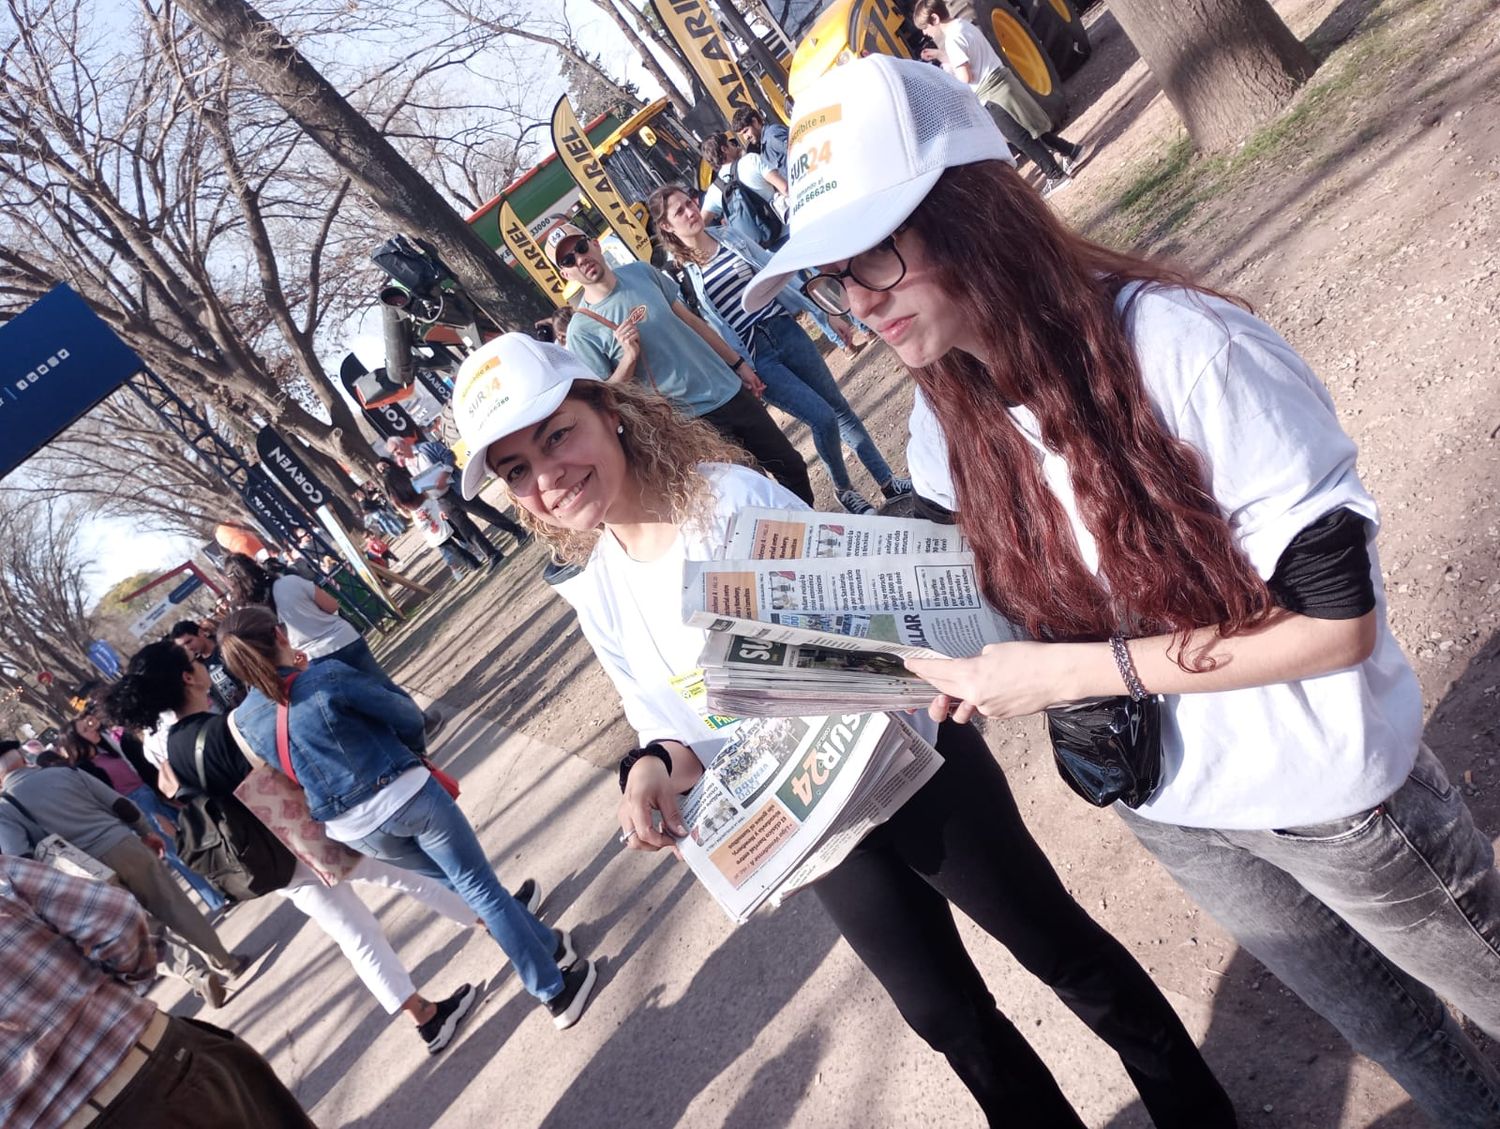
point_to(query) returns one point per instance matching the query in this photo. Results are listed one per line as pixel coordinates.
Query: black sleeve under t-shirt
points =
(223, 763)
(1325, 572)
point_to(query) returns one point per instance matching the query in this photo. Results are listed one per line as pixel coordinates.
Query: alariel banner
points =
(696, 31)
(584, 165)
(530, 256)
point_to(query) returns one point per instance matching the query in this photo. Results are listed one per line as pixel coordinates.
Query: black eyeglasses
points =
(568, 258)
(879, 268)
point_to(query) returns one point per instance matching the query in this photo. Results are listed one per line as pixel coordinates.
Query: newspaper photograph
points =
(760, 533)
(913, 607)
(771, 795)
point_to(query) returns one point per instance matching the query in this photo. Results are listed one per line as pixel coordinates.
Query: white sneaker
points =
(1072, 164)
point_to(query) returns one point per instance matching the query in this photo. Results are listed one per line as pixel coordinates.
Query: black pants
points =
(960, 842)
(744, 420)
(1035, 148)
(203, 1077)
(459, 511)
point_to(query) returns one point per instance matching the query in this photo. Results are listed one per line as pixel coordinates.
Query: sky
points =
(120, 548)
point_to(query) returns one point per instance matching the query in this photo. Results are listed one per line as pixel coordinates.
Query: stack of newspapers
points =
(809, 616)
(810, 612)
(786, 799)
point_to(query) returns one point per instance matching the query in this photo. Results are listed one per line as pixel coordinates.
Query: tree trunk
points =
(255, 46)
(1227, 66)
(736, 22)
(633, 36)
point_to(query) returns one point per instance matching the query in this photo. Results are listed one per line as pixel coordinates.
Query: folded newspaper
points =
(787, 799)
(815, 611)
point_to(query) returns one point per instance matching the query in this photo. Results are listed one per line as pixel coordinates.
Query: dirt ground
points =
(1367, 235)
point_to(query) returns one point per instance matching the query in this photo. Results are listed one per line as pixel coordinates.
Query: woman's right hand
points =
(648, 790)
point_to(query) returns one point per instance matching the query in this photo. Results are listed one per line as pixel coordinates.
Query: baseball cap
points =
(558, 234)
(509, 383)
(869, 141)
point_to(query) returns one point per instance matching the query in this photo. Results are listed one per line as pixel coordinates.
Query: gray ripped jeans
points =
(1370, 919)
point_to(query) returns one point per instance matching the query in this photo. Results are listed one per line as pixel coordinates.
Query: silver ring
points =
(625, 838)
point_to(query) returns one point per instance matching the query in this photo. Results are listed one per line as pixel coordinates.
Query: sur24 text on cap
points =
(509, 383)
(870, 140)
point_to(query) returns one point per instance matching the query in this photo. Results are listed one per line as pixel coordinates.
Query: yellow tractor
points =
(1042, 41)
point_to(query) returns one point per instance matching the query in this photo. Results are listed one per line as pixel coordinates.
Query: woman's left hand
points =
(1003, 680)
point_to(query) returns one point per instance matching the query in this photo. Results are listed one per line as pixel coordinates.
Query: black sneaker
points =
(438, 1031)
(564, 954)
(568, 1005)
(529, 894)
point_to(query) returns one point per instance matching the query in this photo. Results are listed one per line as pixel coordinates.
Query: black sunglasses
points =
(568, 258)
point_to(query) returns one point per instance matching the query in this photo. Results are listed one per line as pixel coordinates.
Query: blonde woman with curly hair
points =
(614, 479)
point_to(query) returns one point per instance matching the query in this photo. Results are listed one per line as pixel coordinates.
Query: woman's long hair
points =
(248, 643)
(248, 582)
(399, 488)
(151, 686)
(1045, 301)
(79, 748)
(663, 450)
(657, 204)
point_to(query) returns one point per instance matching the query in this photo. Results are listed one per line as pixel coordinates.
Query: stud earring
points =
(620, 430)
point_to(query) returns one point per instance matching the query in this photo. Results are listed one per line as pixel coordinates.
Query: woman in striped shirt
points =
(719, 264)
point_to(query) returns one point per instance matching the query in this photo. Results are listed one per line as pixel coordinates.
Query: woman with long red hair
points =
(1157, 489)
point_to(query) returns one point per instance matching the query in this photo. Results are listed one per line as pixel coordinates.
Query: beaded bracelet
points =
(1126, 666)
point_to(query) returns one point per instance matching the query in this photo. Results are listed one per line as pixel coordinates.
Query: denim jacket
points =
(790, 298)
(349, 735)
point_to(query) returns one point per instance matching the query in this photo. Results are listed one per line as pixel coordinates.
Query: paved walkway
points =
(694, 1023)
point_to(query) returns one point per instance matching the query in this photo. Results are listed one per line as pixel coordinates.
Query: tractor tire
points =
(1017, 44)
(1060, 29)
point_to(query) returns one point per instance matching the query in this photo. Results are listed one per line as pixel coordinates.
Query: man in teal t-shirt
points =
(633, 325)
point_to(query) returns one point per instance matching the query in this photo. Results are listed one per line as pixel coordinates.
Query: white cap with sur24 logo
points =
(870, 140)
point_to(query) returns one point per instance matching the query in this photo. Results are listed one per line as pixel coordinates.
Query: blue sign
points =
(185, 589)
(102, 655)
(57, 360)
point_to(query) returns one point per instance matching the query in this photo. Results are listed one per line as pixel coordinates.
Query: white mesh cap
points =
(870, 140)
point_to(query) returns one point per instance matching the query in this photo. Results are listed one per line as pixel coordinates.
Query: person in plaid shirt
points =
(80, 1047)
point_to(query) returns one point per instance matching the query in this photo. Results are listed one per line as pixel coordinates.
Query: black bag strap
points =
(20, 807)
(198, 744)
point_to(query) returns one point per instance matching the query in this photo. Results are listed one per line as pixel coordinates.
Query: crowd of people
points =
(1156, 490)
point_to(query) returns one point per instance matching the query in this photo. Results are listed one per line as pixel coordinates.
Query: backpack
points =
(222, 841)
(744, 208)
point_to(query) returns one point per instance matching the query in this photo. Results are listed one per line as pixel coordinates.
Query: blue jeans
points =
(458, 556)
(429, 835)
(799, 383)
(792, 296)
(156, 813)
(1370, 919)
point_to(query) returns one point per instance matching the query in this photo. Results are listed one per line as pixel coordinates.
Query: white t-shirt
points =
(358, 821)
(1291, 753)
(631, 614)
(308, 627)
(963, 42)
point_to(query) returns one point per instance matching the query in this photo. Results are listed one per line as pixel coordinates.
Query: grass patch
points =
(1157, 198)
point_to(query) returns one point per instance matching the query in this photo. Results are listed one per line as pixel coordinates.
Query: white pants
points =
(341, 914)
